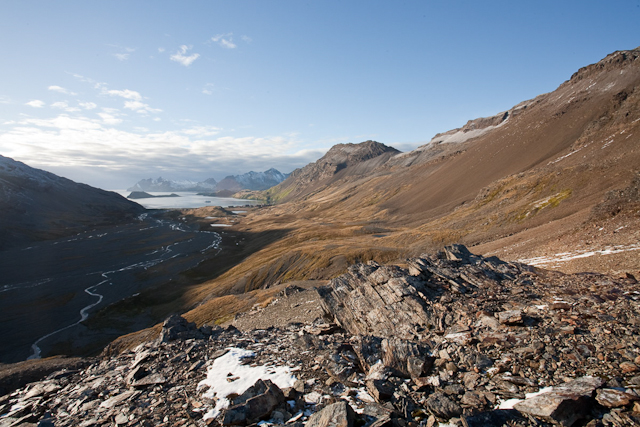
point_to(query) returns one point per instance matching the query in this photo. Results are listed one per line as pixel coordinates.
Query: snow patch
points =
(510, 403)
(568, 256)
(230, 366)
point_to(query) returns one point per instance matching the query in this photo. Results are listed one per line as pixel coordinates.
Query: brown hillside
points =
(553, 175)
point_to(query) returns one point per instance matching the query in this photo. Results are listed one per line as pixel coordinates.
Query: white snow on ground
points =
(508, 404)
(565, 156)
(459, 136)
(220, 225)
(568, 256)
(230, 367)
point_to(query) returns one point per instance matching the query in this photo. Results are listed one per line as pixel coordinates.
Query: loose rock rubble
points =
(452, 338)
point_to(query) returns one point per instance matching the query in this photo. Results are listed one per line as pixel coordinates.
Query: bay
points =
(186, 200)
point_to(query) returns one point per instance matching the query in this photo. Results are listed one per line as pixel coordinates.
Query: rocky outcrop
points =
(389, 301)
(490, 343)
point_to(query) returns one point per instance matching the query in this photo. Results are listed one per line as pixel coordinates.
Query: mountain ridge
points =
(247, 181)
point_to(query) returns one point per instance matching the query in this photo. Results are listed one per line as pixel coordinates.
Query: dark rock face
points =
(461, 365)
(38, 205)
(255, 404)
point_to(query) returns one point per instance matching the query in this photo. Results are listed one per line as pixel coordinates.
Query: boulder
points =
(256, 404)
(442, 407)
(564, 404)
(611, 398)
(338, 414)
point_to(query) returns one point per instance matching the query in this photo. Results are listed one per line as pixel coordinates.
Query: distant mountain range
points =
(232, 183)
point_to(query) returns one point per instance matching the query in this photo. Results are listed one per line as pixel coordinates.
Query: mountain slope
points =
(552, 178)
(255, 181)
(530, 182)
(38, 205)
(342, 160)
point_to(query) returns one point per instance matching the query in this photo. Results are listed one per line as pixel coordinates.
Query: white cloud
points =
(126, 94)
(64, 105)
(161, 49)
(224, 40)
(124, 52)
(109, 119)
(246, 39)
(85, 144)
(62, 122)
(208, 89)
(88, 105)
(202, 131)
(36, 103)
(140, 107)
(60, 89)
(182, 58)
(4, 99)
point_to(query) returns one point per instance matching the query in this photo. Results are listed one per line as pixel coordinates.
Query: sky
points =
(111, 92)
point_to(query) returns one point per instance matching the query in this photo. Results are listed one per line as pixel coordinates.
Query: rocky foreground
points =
(453, 338)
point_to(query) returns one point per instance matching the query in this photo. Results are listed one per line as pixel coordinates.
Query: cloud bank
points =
(83, 148)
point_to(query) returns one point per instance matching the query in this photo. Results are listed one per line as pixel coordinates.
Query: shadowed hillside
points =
(38, 205)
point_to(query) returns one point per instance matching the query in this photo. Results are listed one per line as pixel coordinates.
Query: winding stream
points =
(49, 307)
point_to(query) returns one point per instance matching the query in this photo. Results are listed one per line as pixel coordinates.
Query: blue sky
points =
(110, 92)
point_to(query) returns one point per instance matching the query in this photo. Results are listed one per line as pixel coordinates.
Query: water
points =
(49, 289)
(186, 200)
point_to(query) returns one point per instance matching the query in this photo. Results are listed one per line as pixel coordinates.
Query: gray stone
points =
(257, 403)
(510, 317)
(152, 379)
(611, 398)
(498, 417)
(441, 406)
(380, 390)
(338, 414)
(564, 404)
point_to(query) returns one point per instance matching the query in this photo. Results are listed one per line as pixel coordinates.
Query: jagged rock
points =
(441, 406)
(380, 390)
(176, 326)
(498, 417)
(118, 399)
(380, 301)
(256, 404)
(409, 358)
(493, 363)
(611, 398)
(152, 379)
(510, 317)
(475, 399)
(338, 414)
(564, 404)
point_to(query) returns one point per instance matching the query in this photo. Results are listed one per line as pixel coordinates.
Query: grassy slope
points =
(528, 184)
